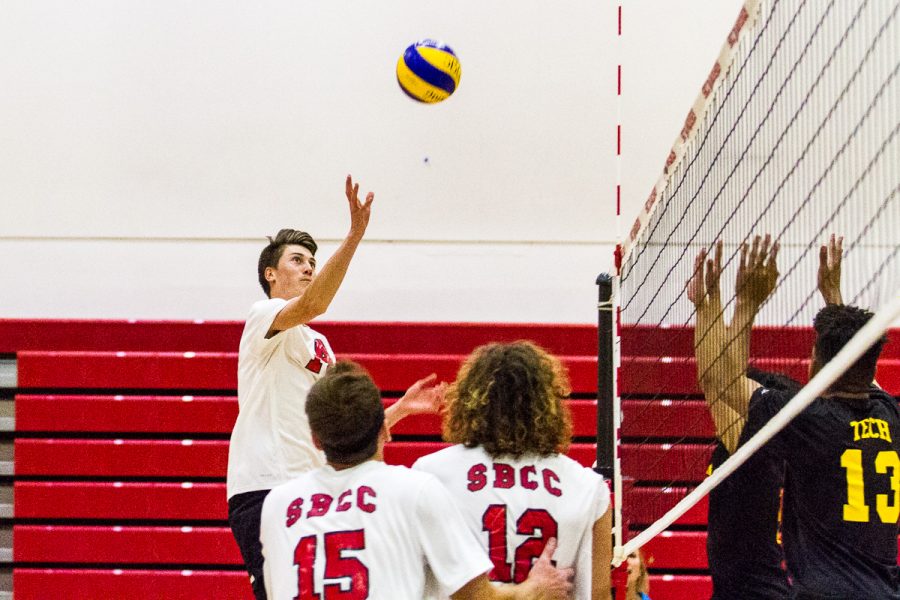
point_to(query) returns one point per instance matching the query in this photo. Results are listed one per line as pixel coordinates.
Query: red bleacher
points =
(121, 435)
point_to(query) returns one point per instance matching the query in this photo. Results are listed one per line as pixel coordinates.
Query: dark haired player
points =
(358, 528)
(745, 558)
(842, 482)
(507, 415)
(280, 357)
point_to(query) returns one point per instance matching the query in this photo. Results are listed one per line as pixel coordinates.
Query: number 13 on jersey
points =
(887, 506)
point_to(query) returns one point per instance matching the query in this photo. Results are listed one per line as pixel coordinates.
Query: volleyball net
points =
(794, 134)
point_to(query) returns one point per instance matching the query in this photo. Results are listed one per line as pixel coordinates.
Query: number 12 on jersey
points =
(534, 522)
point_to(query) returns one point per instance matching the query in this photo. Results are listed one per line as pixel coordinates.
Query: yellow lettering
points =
(855, 426)
(867, 428)
(884, 431)
(855, 509)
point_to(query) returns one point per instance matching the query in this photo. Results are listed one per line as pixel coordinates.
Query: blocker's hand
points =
(829, 277)
(758, 271)
(705, 279)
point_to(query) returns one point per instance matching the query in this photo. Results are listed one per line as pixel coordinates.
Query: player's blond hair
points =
(510, 400)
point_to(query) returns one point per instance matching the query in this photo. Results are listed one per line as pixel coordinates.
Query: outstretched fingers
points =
(695, 291)
(829, 275)
(773, 256)
(352, 191)
(714, 270)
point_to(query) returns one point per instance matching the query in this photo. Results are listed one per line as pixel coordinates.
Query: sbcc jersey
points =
(370, 531)
(515, 505)
(271, 442)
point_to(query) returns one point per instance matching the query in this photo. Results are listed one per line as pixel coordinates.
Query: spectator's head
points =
(345, 414)
(638, 581)
(510, 399)
(291, 269)
(835, 325)
(774, 381)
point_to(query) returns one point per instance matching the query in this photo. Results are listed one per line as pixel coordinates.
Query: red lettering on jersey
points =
(343, 504)
(320, 357)
(320, 505)
(322, 351)
(549, 478)
(294, 511)
(361, 494)
(341, 569)
(477, 478)
(531, 522)
(525, 477)
(305, 559)
(504, 476)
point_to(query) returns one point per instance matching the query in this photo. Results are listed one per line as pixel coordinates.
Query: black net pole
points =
(605, 374)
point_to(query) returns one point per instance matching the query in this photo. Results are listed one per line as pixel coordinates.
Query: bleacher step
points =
(8, 373)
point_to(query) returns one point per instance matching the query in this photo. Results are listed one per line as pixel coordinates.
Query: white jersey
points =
(369, 531)
(515, 505)
(271, 442)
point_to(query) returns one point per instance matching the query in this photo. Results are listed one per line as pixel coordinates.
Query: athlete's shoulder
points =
(265, 306)
(879, 395)
(395, 477)
(450, 455)
(574, 467)
(295, 485)
(259, 319)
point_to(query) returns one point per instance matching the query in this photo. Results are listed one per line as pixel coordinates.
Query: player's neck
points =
(849, 391)
(337, 466)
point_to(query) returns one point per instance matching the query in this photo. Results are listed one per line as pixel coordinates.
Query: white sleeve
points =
(454, 554)
(262, 315)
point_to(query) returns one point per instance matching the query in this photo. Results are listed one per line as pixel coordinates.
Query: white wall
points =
(147, 147)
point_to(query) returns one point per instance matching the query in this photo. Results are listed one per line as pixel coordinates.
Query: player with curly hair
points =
(506, 415)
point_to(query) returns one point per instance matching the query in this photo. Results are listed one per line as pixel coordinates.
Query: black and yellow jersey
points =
(841, 492)
(745, 557)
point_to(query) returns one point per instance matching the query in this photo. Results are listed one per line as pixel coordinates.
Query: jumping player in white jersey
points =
(280, 358)
(358, 528)
(507, 415)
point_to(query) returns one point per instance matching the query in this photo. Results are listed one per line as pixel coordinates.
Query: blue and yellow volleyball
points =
(428, 71)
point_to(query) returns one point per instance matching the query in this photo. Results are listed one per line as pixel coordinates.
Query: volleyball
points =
(428, 71)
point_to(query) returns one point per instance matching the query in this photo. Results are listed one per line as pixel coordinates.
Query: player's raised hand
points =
(757, 271)
(425, 396)
(359, 211)
(696, 287)
(714, 271)
(705, 278)
(829, 276)
(549, 583)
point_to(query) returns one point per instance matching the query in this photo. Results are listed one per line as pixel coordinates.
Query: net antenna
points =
(795, 134)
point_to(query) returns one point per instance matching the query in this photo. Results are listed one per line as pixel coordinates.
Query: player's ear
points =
(385, 433)
(316, 442)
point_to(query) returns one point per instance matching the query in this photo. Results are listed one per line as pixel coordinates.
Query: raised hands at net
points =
(704, 283)
(757, 271)
(829, 278)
